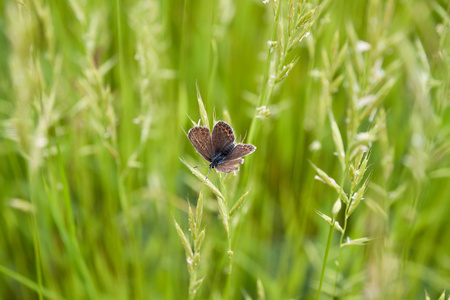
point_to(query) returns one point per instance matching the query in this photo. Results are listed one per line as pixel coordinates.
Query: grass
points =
(346, 196)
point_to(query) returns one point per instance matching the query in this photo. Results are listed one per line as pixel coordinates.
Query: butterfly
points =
(219, 148)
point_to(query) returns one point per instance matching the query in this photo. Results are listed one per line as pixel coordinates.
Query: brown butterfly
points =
(219, 148)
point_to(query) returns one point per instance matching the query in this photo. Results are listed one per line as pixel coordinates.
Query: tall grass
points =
(347, 104)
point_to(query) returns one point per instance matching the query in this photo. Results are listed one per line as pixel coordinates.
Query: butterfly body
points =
(218, 159)
(219, 148)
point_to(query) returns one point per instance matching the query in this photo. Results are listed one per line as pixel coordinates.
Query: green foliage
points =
(98, 192)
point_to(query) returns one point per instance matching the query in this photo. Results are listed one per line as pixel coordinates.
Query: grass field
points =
(346, 197)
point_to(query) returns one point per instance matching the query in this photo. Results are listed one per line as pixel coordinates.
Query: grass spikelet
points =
(330, 221)
(260, 289)
(201, 108)
(238, 203)
(184, 240)
(356, 242)
(193, 253)
(337, 141)
(203, 179)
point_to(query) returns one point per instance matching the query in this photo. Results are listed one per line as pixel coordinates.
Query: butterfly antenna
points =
(244, 136)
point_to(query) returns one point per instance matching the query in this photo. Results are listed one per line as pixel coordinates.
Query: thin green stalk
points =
(340, 245)
(137, 271)
(229, 270)
(340, 252)
(182, 54)
(36, 237)
(125, 87)
(264, 96)
(229, 253)
(31, 173)
(409, 236)
(137, 282)
(344, 229)
(30, 284)
(330, 234)
(72, 232)
(213, 70)
(327, 250)
(66, 195)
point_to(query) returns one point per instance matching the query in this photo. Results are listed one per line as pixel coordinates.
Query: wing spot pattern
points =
(226, 130)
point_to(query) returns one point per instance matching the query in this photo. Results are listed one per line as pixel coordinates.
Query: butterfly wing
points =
(241, 150)
(222, 138)
(229, 165)
(201, 140)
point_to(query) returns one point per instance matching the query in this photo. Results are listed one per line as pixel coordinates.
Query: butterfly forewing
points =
(241, 150)
(230, 165)
(200, 138)
(222, 137)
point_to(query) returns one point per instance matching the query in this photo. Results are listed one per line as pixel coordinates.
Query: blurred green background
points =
(95, 101)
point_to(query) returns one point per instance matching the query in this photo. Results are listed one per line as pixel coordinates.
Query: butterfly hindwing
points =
(230, 165)
(241, 150)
